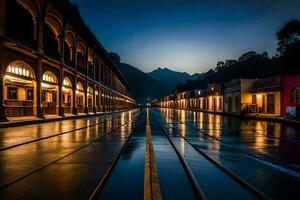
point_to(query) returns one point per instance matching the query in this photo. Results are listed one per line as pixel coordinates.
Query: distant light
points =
(199, 92)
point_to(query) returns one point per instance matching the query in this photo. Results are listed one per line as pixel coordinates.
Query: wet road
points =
(64, 166)
(197, 155)
(264, 154)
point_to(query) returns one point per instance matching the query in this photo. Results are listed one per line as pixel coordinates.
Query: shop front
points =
(49, 94)
(80, 97)
(266, 95)
(19, 90)
(90, 93)
(67, 101)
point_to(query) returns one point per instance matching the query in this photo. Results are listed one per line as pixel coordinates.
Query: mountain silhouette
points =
(143, 87)
(169, 79)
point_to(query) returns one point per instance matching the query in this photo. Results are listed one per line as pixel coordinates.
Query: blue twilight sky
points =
(186, 35)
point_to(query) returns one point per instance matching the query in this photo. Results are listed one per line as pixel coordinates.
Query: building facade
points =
(214, 99)
(266, 96)
(238, 96)
(290, 96)
(208, 99)
(52, 64)
(277, 96)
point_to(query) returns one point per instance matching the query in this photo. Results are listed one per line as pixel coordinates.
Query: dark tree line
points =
(256, 65)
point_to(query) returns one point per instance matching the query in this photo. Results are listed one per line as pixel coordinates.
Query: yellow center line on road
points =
(151, 182)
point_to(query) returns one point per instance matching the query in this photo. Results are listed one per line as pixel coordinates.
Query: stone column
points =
(86, 109)
(60, 92)
(2, 67)
(39, 69)
(61, 77)
(75, 111)
(94, 92)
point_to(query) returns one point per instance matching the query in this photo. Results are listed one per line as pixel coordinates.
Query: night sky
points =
(186, 35)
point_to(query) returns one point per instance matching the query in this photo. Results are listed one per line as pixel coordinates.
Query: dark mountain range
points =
(143, 87)
(148, 86)
(169, 79)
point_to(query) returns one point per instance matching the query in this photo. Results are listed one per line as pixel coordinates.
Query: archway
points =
(67, 102)
(19, 87)
(80, 97)
(49, 93)
(19, 22)
(81, 57)
(69, 49)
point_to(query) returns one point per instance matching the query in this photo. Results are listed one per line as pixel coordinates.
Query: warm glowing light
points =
(49, 77)
(15, 79)
(90, 90)
(20, 68)
(79, 86)
(45, 85)
(67, 82)
(259, 96)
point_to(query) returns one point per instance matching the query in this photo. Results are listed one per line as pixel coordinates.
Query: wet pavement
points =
(67, 166)
(196, 154)
(264, 154)
(130, 167)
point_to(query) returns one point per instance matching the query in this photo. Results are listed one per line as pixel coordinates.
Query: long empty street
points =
(155, 153)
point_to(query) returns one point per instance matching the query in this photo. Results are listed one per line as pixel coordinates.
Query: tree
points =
(247, 55)
(288, 36)
(289, 46)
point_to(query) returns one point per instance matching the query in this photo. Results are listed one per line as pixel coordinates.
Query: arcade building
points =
(52, 64)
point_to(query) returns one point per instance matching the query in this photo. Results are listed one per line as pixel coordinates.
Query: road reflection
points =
(265, 154)
(277, 140)
(19, 161)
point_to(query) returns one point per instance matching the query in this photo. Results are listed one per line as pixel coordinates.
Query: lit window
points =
(79, 86)
(49, 77)
(12, 93)
(90, 90)
(295, 96)
(20, 68)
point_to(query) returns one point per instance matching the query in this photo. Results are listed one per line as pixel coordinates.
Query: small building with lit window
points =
(214, 98)
(238, 96)
(198, 99)
(266, 97)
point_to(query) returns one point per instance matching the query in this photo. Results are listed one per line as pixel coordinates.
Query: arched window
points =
(90, 90)
(67, 82)
(19, 23)
(90, 63)
(21, 69)
(69, 48)
(295, 95)
(79, 87)
(49, 77)
(50, 42)
(80, 58)
(97, 69)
